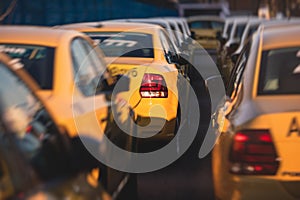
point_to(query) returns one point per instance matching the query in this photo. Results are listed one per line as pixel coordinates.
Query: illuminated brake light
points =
(153, 86)
(253, 153)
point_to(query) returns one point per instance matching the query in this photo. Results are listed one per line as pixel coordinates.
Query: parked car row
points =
(60, 97)
(68, 74)
(67, 88)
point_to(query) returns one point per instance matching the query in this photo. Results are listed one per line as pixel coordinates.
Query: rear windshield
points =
(37, 60)
(207, 25)
(124, 44)
(228, 31)
(239, 31)
(280, 71)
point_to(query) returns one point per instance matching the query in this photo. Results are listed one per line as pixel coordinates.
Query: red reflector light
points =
(253, 153)
(240, 137)
(153, 86)
(265, 137)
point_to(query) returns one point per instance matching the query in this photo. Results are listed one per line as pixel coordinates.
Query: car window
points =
(228, 31)
(37, 60)
(200, 24)
(280, 71)
(28, 124)
(217, 25)
(87, 66)
(166, 43)
(124, 44)
(97, 63)
(181, 28)
(239, 31)
(237, 72)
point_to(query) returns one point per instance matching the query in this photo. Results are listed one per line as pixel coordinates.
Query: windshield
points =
(37, 60)
(124, 44)
(280, 71)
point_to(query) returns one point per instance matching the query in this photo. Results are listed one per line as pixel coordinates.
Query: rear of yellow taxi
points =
(62, 98)
(153, 81)
(257, 154)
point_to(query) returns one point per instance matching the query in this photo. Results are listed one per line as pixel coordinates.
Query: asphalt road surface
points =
(189, 177)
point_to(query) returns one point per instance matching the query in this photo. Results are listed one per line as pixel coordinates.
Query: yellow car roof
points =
(35, 35)
(112, 26)
(281, 35)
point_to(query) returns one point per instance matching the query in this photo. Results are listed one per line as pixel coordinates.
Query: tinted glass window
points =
(217, 25)
(181, 28)
(124, 44)
(200, 24)
(30, 127)
(37, 60)
(166, 43)
(239, 31)
(87, 66)
(280, 71)
(228, 31)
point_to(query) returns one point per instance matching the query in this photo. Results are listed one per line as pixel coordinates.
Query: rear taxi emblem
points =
(294, 128)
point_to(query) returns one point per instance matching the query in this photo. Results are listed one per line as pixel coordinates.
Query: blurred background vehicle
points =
(67, 68)
(176, 28)
(231, 44)
(206, 30)
(38, 159)
(256, 155)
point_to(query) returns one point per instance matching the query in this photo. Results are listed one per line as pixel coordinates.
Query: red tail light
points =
(153, 86)
(253, 153)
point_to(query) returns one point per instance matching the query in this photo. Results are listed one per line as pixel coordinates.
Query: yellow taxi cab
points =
(32, 145)
(67, 68)
(145, 53)
(257, 153)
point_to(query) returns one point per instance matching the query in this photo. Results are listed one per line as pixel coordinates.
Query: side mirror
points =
(179, 59)
(171, 57)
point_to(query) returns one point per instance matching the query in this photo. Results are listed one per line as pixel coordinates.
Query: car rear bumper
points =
(244, 188)
(155, 128)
